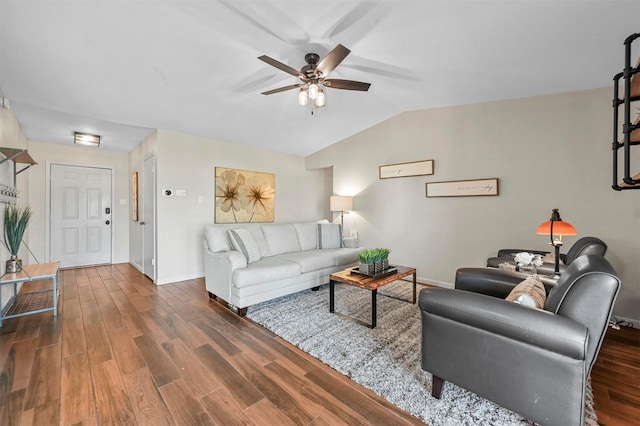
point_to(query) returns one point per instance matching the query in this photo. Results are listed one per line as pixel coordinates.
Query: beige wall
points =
(548, 152)
(187, 162)
(48, 153)
(12, 136)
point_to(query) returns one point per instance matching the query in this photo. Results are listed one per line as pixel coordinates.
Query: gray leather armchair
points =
(534, 362)
(584, 245)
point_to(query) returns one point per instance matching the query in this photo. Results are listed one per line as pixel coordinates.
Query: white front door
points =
(80, 215)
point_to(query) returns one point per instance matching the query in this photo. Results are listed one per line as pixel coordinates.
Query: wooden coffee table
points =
(368, 283)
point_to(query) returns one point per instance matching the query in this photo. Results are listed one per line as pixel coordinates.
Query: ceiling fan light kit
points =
(303, 97)
(313, 76)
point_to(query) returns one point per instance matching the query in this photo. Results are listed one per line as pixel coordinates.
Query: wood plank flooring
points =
(124, 351)
(615, 378)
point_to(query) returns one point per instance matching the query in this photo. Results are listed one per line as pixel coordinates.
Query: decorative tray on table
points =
(390, 270)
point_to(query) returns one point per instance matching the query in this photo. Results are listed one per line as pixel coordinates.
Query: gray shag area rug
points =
(385, 359)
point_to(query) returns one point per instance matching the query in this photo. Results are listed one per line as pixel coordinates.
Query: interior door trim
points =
(47, 213)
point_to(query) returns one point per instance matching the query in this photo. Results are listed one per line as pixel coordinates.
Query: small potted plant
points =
(15, 223)
(374, 261)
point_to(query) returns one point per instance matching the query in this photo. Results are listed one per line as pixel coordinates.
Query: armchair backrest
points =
(585, 245)
(586, 293)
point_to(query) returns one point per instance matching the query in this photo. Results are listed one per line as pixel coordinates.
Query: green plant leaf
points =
(15, 224)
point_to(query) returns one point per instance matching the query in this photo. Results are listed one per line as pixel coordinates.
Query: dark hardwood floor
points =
(124, 351)
(615, 378)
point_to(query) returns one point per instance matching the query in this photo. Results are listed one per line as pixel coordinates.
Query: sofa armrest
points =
(218, 271)
(508, 320)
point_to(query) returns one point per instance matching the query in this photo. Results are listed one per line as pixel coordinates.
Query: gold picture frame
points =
(464, 188)
(243, 196)
(412, 168)
(134, 196)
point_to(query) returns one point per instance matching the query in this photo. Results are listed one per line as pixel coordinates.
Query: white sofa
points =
(248, 263)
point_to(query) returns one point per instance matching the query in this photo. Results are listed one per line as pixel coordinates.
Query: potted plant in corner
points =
(15, 223)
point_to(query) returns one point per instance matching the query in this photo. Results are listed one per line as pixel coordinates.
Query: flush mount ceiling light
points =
(86, 139)
(313, 76)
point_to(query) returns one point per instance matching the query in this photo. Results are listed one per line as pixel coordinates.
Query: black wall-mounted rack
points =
(630, 130)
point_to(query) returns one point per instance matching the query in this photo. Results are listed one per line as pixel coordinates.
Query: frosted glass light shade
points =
(302, 97)
(86, 139)
(313, 91)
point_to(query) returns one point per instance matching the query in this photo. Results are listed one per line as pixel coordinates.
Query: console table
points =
(35, 301)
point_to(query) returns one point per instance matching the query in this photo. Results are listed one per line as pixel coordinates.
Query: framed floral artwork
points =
(243, 196)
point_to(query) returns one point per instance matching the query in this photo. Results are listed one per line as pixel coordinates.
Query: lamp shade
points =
(339, 203)
(555, 226)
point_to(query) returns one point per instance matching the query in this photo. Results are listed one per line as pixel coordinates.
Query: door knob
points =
(108, 222)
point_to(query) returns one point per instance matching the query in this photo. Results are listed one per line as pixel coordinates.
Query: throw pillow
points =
(529, 292)
(281, 238)
(329, 235)
(243, 241)
(307, 235)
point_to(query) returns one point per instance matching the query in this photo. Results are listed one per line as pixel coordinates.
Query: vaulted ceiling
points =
(123, 68)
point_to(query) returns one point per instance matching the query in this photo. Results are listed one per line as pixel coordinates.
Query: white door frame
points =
(146, 229)
(47, 213)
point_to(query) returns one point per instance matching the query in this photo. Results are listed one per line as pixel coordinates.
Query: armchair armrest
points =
(536, 327)
(512, 252)
(495, 282)
(490, 281)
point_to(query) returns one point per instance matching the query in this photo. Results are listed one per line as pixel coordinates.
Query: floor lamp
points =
(556, 227)
(342, 204)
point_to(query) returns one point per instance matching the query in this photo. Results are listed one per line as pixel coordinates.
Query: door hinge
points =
(153, 262)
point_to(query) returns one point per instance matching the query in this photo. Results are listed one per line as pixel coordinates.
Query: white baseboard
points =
(435, 282)
(179, 278)
(138, 267)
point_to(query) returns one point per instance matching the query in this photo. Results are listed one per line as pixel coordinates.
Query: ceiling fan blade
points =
(282, 89)
(332, 60)
(346, 84)
(283, 67)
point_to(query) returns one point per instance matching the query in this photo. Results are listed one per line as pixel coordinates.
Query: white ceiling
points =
(123, 68)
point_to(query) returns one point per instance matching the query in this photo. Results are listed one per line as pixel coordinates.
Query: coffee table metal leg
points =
(331, 295)
(374, 293)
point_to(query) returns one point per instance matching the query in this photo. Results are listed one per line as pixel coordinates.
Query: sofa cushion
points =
(281, 238)
(329, 235)
(265, 270)
(307, 235)
(529, 292)
(217, 238)
(312, 260)
(242, 240)
(345, 256)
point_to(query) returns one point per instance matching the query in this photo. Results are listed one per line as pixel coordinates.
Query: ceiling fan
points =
(313, 76)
